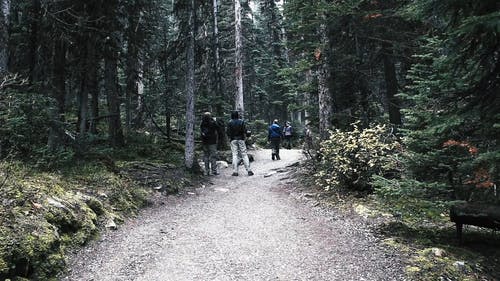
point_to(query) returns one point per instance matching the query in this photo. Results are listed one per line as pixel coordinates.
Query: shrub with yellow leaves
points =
(350, 158)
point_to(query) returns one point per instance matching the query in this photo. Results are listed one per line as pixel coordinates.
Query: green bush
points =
(349, 159)
(24, 121)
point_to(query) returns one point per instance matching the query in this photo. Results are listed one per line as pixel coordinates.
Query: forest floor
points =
(261, 227)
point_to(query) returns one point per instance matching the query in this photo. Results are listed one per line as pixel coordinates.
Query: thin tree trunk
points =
(168, 120)
(139, 109)
(131, 74)
(216, 50)
(59, 86)
(33, 45)
(190, 89)
(324, 97)
(93, 78)
(4, 35)
(391, 84)
(60, 78)
(239, 105)
(111, 85)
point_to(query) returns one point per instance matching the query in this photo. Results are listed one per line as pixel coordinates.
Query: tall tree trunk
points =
(4, 35)
(238, 38)
(111, 85)
(132, 96)
(33, 45)
(59, 86)
(60, 77)
(391, 84)
(93, 78)
(217, 79)
(131, 71)
(190, 89)
(324, 96)
(168, 118)
(83, 97)
(138, 121)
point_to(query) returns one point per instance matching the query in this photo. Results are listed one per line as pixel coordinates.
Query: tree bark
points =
(324, 96)
(239, 105)
(60, 77)
(190, 89)
(391, 84)
(138, 121)
(132, 60)
(111, 86)
(33, 45)
(93, 78)
(59, 86)
(217, 79)
(4, 36)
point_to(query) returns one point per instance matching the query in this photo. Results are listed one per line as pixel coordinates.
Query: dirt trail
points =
(239, 228)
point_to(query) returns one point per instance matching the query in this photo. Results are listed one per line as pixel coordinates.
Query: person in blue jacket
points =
(274, 137)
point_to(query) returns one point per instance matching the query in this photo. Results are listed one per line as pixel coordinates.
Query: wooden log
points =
(482, 215)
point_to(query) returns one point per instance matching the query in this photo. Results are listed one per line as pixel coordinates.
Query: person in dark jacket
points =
(208, 130)
(236, 131)
(274, 137)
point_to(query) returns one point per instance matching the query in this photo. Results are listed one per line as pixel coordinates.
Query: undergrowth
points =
(46, 210)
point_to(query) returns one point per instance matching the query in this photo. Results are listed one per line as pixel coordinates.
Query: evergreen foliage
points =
(452, 119)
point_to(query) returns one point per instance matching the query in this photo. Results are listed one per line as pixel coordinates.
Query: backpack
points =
(237, 128)
(207, 132)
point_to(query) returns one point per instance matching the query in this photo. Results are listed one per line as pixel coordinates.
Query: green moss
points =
(44, 214)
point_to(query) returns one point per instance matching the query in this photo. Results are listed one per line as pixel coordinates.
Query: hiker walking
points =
(274, 137)
(287, 135)
(236, 131)
(208, 130)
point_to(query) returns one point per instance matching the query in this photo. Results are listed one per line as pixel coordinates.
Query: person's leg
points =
(213, 158)
(275, 147)
(206, 158)
(244, 155)
(234, 151)
(278, 149)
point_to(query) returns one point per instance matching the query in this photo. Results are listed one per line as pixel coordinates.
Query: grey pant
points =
(239, 150)
(210, 157)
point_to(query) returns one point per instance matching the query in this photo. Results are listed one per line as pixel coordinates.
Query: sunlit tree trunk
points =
(238, 59)
(190, 89)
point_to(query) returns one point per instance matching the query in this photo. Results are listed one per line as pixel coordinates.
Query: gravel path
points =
(239, 228)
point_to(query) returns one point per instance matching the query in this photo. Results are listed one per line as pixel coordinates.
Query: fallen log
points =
(482, 215)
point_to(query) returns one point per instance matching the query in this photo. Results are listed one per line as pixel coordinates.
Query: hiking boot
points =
(215, 173)
(278, 157)
(235, 174)
(250, 173)
(272, 156)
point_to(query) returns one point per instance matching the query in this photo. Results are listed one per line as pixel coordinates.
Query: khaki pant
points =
(239, 150)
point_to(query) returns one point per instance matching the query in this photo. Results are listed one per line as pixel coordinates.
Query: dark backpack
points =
(208, 131)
